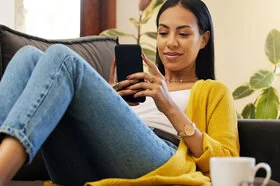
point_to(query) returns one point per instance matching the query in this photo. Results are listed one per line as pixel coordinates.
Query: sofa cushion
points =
(98, 51)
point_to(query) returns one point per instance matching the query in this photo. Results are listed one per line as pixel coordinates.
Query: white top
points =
(149, 113)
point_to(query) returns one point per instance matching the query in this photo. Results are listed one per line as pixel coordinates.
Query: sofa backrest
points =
(261, 139)
(98, 51)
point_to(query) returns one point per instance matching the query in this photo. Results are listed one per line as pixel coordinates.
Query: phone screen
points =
(128, 61)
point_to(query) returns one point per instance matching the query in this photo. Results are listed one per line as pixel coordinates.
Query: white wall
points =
(7, 13)
(241, 27)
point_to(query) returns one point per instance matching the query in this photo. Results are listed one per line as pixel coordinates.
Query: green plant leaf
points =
(157, 3)
(149, 11)
(152, 35)
(261, 79)
(239, 116)
(249, 111)
(135, 22)
(272, 46)
(267, 104)
(145, 20)
(242, 91)
(116, 33)
(150, 54)
(148, 45)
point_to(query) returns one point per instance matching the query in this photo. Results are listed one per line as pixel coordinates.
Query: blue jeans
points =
(55, 101)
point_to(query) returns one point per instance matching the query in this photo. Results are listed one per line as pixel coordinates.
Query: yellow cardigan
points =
(212, 108)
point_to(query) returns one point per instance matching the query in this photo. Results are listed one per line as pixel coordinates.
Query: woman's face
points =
(179, 40)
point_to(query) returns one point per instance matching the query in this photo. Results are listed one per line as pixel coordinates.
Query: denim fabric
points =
(57, 101)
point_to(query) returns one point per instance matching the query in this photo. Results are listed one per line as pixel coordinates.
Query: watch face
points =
(189, 129)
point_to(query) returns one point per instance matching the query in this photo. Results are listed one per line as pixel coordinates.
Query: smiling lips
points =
(172, 55)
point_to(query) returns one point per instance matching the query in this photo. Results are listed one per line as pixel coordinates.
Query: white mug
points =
(232, 171)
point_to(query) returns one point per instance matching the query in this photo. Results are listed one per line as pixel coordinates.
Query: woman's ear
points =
(204, 39)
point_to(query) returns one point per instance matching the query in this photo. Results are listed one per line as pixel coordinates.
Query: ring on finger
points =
(116, 87)
(152, 79)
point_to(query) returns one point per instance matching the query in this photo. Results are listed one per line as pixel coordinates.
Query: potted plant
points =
(146, 10)
(267, 104)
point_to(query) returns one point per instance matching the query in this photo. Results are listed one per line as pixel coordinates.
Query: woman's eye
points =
(162, 33)
(184, 34)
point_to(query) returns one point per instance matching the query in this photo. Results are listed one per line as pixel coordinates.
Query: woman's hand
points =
(153, 86)
(121, 87)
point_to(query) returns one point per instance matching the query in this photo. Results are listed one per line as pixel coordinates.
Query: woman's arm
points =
(179, 120)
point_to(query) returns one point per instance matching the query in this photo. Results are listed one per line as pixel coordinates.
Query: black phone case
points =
(128, 61)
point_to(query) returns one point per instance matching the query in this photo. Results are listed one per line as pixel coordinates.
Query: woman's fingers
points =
(146, 86)
(149, 78)
(152, 66)
(127, 92)
(122, 85)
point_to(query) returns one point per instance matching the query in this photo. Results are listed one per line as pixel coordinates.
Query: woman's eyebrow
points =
(178, 28)
(163, 25)
(183, 26)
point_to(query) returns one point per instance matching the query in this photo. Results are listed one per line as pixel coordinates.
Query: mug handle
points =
(267, 169)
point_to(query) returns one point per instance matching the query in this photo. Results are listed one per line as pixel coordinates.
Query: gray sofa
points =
(258, 138)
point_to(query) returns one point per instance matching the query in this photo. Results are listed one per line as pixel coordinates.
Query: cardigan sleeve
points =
(218, 122)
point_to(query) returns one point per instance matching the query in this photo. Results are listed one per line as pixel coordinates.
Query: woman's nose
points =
(172, 41)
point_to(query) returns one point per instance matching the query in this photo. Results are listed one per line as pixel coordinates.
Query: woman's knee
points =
(28, 50)
(27, 55)
(59, 51)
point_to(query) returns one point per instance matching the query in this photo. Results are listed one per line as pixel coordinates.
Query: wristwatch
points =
(189, 130)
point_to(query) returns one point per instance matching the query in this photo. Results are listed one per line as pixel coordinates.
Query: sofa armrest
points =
(261, 139)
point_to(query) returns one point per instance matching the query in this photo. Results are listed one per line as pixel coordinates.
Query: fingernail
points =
(143, 55)
(134, 80)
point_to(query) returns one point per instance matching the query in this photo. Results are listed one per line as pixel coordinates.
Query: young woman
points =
(55, 101)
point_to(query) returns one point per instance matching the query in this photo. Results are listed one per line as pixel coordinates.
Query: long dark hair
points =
(205, 60)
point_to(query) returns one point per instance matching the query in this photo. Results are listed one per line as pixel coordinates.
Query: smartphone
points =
(128, 61)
